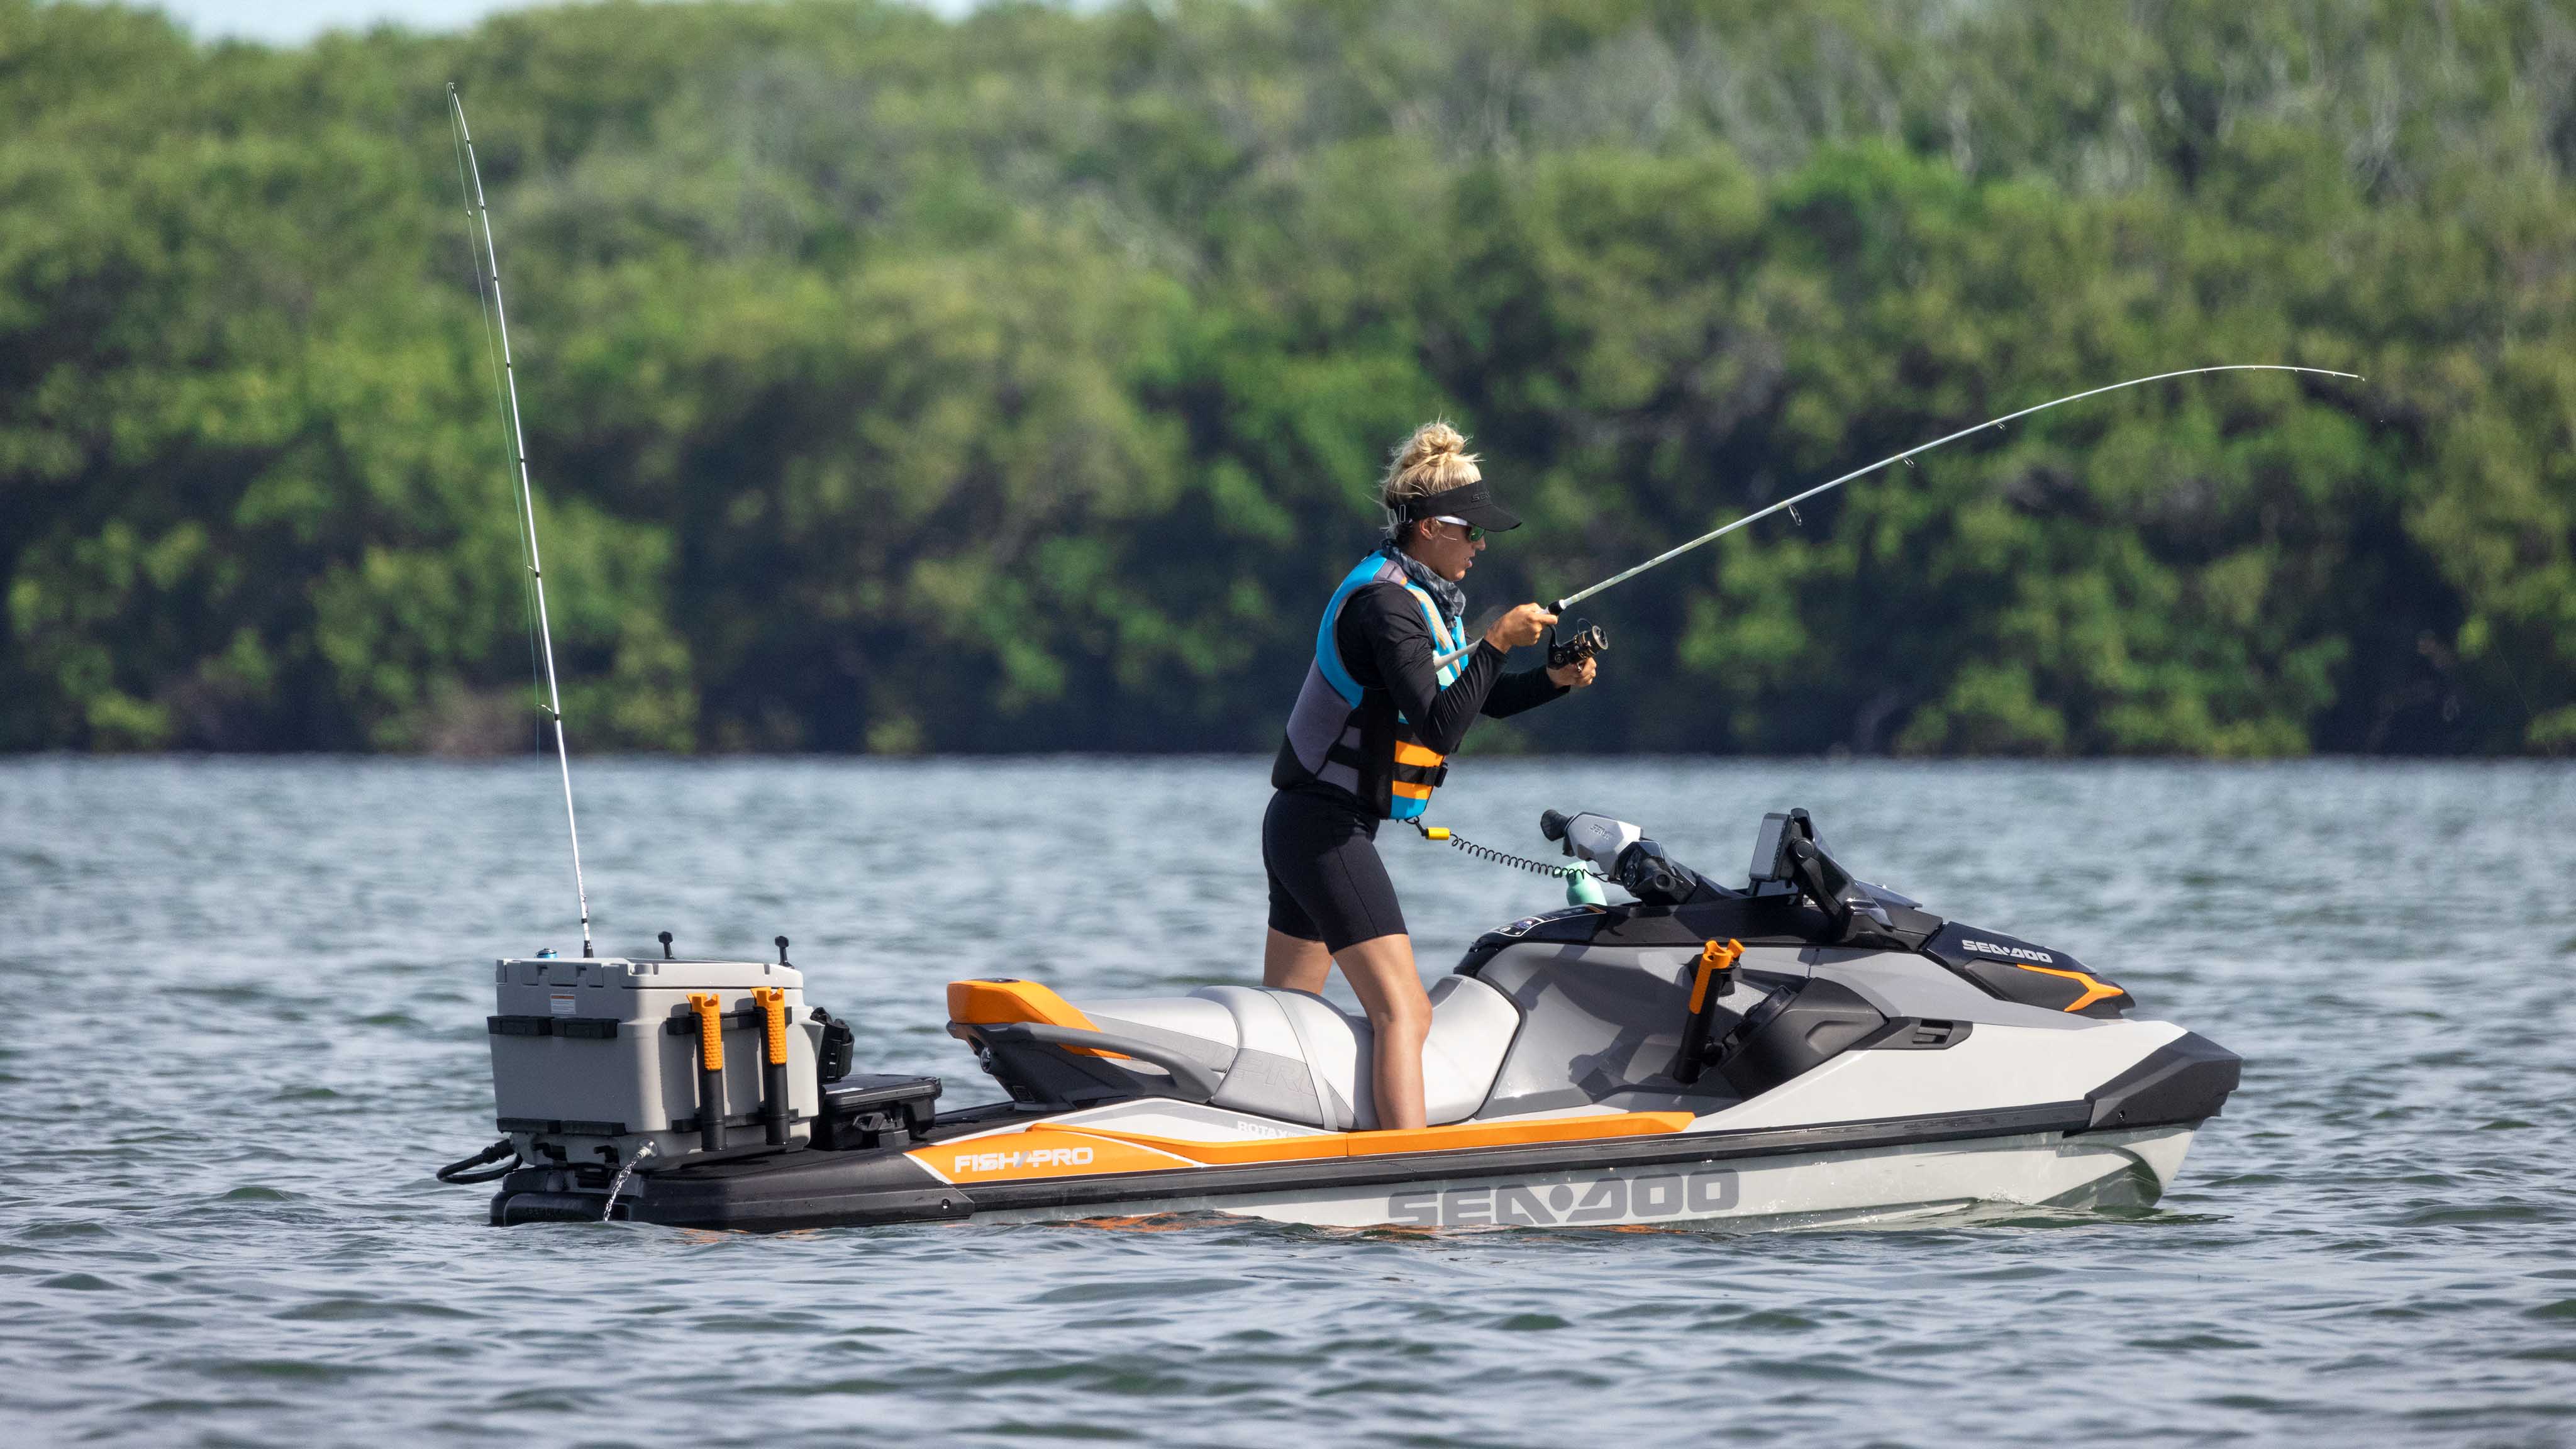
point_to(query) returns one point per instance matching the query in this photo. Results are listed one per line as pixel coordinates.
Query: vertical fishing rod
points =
(507, 383)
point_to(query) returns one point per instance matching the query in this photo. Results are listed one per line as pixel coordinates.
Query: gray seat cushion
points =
(1297, 1058)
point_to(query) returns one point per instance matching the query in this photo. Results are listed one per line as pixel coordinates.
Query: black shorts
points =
(1326, 882)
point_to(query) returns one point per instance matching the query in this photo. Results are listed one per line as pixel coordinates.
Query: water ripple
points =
(248, 1021)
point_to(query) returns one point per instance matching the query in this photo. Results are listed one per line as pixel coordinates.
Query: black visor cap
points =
(1474, 503)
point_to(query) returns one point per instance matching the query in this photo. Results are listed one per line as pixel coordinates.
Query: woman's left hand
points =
(1575, 675)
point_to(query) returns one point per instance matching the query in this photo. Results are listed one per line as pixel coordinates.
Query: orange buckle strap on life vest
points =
(1418, 771)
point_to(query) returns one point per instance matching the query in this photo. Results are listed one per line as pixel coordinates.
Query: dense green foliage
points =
(1020, 382)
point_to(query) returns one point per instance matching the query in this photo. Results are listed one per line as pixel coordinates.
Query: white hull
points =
(2108, 1168)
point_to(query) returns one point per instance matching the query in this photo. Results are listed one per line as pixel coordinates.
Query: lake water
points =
(244, 1020)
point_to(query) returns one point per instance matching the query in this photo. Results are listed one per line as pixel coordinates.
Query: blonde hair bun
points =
(1434, 460)
(1430, 441)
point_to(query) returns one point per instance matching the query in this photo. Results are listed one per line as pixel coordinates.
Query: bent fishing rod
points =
(1668, 555)
(505, 384)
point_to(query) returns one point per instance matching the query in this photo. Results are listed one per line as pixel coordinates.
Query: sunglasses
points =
(1474, 534)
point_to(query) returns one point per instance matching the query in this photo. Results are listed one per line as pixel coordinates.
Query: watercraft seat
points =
(1286, 1055)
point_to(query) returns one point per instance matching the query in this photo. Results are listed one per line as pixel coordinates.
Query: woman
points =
(1377, 717)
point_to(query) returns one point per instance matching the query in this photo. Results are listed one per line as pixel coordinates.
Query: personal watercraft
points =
(1808, 1048)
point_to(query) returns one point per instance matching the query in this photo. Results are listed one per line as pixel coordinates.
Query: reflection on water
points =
(246, 1021)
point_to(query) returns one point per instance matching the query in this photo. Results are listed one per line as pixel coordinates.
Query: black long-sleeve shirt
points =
(1387, 646)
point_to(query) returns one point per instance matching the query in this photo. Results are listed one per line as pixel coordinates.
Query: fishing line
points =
(1791, 503)
(477, 208)
(492, 359)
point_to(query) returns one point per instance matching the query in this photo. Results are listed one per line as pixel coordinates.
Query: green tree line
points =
(1019, 382)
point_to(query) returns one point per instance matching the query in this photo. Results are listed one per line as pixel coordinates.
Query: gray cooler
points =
(592, 1060)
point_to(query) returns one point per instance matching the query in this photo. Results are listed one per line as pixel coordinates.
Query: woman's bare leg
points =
(1382, 975)
(1295, 965)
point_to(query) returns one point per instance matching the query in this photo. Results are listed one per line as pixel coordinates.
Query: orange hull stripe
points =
(1512, 1134)
(1226, 1154)
(1326, 1145)
(1039, 1152)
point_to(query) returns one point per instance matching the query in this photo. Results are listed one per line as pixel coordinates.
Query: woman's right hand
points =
(1521, 626)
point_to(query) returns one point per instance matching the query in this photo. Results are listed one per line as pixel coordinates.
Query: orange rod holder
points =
(771, 1002)
(711, 1093)
(1708, 983)
(1714, 959)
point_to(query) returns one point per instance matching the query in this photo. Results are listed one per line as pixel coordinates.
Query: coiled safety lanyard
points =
(1564, 871)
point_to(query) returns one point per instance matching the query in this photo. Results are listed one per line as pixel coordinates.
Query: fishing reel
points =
(1581, 641)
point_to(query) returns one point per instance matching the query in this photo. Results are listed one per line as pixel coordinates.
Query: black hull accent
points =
(2187, 1079)
(801, 1189)
(809, 1189)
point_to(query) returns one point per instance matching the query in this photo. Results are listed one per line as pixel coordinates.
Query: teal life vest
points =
(1328, 734)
